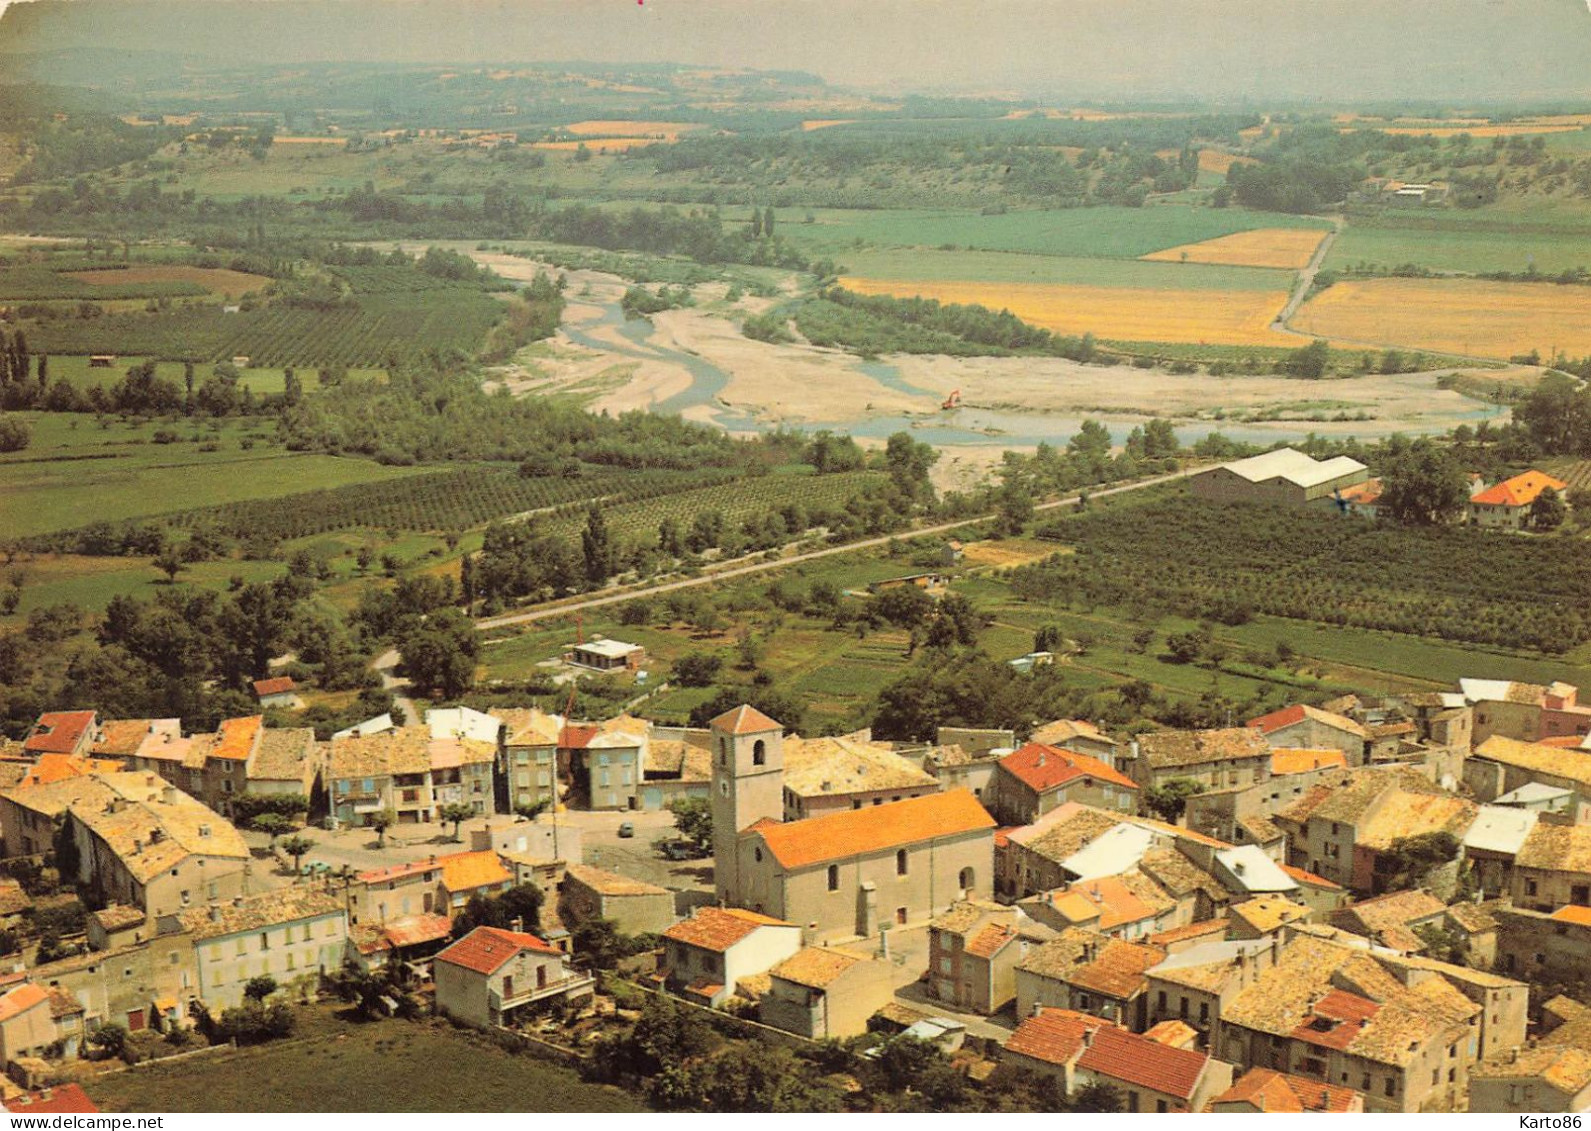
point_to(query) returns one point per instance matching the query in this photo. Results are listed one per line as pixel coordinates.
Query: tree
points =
(1423, 485)
(908, 462)
(1170, 801)
(1547, 510)
(170, 564)
(1411, 859)
(439, 653)
(597, 546)
(297, 846)
(1098, 1097)
(456, 812)
(381, 822)
(272, 824)
(696, 669)
(1047, 638)
(1309, 363)
(259, 987)
(111, 1037)
(15, 435)
(693, 817)
(1016, 508)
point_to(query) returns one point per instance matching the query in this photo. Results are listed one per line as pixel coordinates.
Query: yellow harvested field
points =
(309, 141)
(824, 123)
(1288, 248)
(217, 280)
(1464, 316)
(1010, 552)
(624, 128)
(597, 145)
(1214, 161)
(1130, 314)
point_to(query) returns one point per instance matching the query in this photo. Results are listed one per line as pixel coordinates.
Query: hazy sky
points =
(1338, 50)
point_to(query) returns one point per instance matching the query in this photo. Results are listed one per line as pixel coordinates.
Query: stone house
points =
(295, 935)
(1037, 779)
(1216, 759)
(709, 954)
(491, 976)
(1500, 766)
(1260, 1090)
(1077, 1050)
(528, 757)
(1088, 972)
(828, 775)
(824, 993)
(1525, 712)
(61, 732)
(1392, 920)
(973, 950)
(633, 906)
(1553, 868)
(1304, 727)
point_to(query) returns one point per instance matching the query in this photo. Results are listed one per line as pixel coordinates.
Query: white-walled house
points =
(706, 955)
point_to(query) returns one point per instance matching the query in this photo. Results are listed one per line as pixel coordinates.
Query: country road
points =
(548, 612)
(1306, 279)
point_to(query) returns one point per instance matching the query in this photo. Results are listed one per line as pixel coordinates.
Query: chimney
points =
(517, 926)
(138, 846)
(433, 859)
(168, 795)
(215, 913)
(1276, 948)
(1040, 761)
(149, 780)
(237, 901)
(1088, 1036)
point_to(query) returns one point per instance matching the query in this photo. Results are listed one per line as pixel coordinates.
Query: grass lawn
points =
(1104, 231)
(348, 1067)
(1460, 249)
(919, 264)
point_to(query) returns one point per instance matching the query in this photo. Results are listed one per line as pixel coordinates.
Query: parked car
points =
(679, 850)
(627, 829)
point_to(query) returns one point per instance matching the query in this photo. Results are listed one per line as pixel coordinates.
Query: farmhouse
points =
(1304, 727)
(606, 656)
(1507, 505)
(707, 955)
(1285, 477)
(490, 974)
(279, 691)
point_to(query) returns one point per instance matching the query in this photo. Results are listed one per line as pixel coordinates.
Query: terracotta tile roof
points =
(577, 736)
(59, 767)
(1261, 829)
(118, 917)
(236, 738)
(1475, 917)
(285, 755)
(280, 685)
(402, 871)
(1266, 913)
(1520, 491)
(528, 726)
(18, 1001)
(453, 753)
(415, 930)
(486, 949)
(719, 928)
(815, 966)
(406, 750)
(257, 912)
(1397, 909)
(58, 732)
(1130, 897)
(64, 1099)
(611, 883)
(1043, 768)
(1173, 748)
(1211, 927)
(1274, 1092)
(1298, 712)
(1558, 848)
(1565, 1067)
(1570, 765)
(1410, 814)
(1177, 1034)
(876, 828)
(814, 767)
(1581, 916)
(150, 829)
(990, 941)
(1062, 831)
(965, 915)
(1179, 875)
(1117, 968)
(122, 738)
(465, 871)
(1057, 1036)
(1349, 798)
(1309, 879)
(63, 1004)
(745, 719)
(1062, 731)
(1284, 761)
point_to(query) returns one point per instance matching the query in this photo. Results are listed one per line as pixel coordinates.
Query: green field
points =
(921, 265)
(1454, 245)
(261, 379)
(373, 1066)
(76, 472)
(1124, 233)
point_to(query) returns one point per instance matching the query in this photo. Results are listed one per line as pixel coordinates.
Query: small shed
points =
(606, 655)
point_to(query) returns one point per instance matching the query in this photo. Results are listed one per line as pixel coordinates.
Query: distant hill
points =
(1248, 50)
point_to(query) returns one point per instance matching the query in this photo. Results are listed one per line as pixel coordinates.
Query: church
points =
(846, 875)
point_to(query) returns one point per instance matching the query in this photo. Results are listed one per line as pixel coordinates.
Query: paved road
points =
(729, 572)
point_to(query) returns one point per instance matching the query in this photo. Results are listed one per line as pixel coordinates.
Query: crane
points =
(953, 401)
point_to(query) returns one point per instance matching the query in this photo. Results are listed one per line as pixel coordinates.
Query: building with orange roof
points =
(1092, 973)
(58, 767)
(1302, 727)
(27, 1026)
(126, 738)
(826, 993)
(278, 691)
(706, 956)
(56, 1099)
(491, 976)
(1507, 505)
(1037, 778)
(1077, 1050)
(1126, 906)
(1289, 761)
(1225, 758)
(1266, 1090)
(60, 732)
(468, 874)
(973, 951)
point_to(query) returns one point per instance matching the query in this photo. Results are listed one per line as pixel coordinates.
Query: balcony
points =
(524, 995)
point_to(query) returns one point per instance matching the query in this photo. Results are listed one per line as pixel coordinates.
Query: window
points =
(1204, 1013)
(900, 862)
(1392, 1086)
(1530, 887)
(1160, 1002)
(966, 880)
(834, 877)
(757, 852)
(759, 753)
(1160, 1105)
(265, 940)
